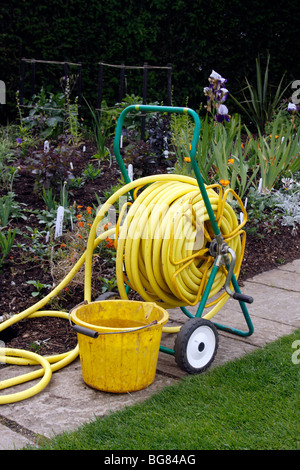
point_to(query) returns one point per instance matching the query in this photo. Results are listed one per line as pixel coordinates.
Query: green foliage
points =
(45, 114)
(8, 173)
(91, 173)
(77, 182)
(260, 102)
(132, 121)
(6, 145)
(287, 203)
(102, 128)
(49, 199)
(48, 216)
(205, 157)
(225, 142)
(5, 209)
(71, 117)
(243, 168)
(182, 130)
(237, 160)
(6, 244)
(108, 285)
(281, 206)
(260, 208)
(221, 157)
(10, 209)
(277, 152)
(39, 286)
(38, 246)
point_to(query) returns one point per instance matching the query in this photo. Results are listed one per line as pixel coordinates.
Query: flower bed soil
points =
(265, 250)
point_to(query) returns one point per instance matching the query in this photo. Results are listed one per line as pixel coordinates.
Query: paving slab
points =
(288, 280)
(67, 402)
(11, 440)
(294, 266)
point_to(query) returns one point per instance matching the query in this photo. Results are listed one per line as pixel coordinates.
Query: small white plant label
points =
(2, 352)
(241, 213)
(130, 171)
(59, 222)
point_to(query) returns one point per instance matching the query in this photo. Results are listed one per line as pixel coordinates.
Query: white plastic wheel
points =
(196, 345)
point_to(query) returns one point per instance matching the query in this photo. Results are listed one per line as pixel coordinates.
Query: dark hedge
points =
(194, 36)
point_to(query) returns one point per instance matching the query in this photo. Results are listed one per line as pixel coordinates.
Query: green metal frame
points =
(217, 233)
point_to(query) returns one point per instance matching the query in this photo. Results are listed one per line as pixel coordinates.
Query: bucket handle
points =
(94, 334)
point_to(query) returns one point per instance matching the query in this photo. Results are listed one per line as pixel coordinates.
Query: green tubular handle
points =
(196, 135)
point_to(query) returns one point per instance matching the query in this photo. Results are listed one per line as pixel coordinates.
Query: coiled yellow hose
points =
(162, 244)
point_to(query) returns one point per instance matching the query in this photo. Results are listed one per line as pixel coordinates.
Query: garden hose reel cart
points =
(165, 270)
(197, 340)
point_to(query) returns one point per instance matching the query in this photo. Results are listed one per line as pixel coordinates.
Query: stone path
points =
(67, 402)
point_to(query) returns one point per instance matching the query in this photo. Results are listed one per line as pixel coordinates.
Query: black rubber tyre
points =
(196, 345)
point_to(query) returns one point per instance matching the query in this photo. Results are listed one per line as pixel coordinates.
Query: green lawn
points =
(251, 403)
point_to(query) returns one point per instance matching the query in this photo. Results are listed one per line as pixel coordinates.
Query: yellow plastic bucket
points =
(121, 356)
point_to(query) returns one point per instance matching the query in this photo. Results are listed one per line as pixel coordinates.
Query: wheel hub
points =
(201, 346)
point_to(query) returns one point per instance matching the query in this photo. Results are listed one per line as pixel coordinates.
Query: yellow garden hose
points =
(49, 364)
(151, 241)
(162, 253)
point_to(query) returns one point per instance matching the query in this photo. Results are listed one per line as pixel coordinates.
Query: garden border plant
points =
(261, 104)
(227, 154)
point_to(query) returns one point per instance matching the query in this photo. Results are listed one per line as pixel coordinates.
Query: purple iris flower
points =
(19, 140)
(222, 95)
(222, 114)
(217, 77)
(216, 95)
(292, 107)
